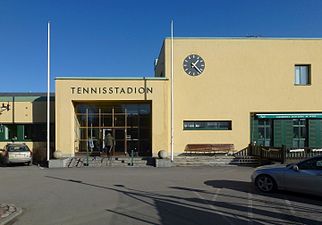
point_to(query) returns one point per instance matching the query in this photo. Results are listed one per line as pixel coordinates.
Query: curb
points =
(12, 216)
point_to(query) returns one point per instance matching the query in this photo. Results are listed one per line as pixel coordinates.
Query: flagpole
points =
(172, 99)
(48, 92)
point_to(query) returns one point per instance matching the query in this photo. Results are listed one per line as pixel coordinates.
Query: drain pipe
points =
(172, 99)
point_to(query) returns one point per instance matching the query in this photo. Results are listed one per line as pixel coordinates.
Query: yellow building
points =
(224, 91)
(23, 119)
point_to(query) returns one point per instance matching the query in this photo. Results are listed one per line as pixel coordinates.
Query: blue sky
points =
(122, 38)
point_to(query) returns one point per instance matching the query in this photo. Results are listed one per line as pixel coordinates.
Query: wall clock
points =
(193, 65)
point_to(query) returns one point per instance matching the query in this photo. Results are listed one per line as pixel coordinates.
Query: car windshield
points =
(17, 148)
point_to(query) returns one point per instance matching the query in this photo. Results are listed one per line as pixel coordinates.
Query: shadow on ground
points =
(248, 187)
(187, 206)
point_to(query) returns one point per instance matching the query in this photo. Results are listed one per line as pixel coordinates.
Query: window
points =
(129, 123)
(302, 75)
(299, 133)
(264, 132)
(8, 132)
(26, 132)
(207, 125)
(35, 132)
(311, 164)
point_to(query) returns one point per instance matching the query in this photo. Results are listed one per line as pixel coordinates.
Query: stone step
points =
(203, 160)
(246, 161)
(201, 164)
(105, 162)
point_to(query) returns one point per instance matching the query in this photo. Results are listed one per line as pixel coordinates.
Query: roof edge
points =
(25, 94)
(111, 78)
(249, 38)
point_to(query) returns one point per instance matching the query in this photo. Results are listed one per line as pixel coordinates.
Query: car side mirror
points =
(295, 168)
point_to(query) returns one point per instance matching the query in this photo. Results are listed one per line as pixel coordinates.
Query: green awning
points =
(289, 115)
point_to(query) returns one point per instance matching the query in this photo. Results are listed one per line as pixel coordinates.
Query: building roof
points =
(251, 37)
(111, 78)
(25, 94)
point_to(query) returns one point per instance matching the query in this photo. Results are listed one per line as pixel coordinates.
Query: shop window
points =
(299, 133)
(26, 132)
(35, 132)
(8, 132)
(302, 75)
(207, 125)
(264, 132)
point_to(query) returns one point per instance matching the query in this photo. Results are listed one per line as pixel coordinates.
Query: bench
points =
(209, 148)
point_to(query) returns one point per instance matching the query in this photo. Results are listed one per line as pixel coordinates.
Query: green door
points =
(315, 133)
(283, 133)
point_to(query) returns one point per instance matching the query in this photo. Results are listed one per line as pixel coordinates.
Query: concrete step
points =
(201, 164)
(246, 161)
(106, 162)
(202, 160)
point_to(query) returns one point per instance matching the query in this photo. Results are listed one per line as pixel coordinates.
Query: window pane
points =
(302, 75)
(207, 125)
(308, 165)
(304, 79)
(81, 120)
(304, 70)
(106, 120)
(93, 120)
(297, 75)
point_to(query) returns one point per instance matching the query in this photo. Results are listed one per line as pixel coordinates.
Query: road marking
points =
(250, 208)
(225, 217)
(290, 207)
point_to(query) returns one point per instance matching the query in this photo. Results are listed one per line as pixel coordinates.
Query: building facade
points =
(23, 119)
(224, 91)
(133, 110)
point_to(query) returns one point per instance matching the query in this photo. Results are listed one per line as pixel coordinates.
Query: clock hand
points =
(197, 69)
(194, 66)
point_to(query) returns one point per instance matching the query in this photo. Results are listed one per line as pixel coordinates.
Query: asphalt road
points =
(186, 195)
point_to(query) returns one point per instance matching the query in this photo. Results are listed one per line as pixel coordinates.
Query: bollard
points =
(132, 155)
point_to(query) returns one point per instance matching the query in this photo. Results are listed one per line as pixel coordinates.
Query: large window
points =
(26, 132)
(207, 125)
(293, 133)
(302, 75)
(129, 123)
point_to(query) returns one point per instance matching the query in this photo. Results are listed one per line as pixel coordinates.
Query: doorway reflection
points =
(129, 123)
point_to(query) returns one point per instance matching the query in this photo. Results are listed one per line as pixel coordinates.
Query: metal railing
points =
(281, 154)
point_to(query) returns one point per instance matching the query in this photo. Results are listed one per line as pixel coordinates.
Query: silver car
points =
(16, 153)
(304, 176)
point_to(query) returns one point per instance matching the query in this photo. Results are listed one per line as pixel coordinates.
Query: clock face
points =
(193, 65)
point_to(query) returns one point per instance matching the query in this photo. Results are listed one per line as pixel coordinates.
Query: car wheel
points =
(28, 163)
(265, 183)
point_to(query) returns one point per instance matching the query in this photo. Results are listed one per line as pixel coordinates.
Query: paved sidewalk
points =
(8, 212)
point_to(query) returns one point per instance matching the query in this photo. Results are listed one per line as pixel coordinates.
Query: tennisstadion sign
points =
(111, 90)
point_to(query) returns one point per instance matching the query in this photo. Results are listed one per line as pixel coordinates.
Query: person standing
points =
(109, 142)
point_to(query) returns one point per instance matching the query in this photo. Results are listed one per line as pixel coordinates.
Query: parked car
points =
(304, 176)
(16, 153)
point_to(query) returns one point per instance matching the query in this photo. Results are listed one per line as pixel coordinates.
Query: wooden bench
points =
(209, 148)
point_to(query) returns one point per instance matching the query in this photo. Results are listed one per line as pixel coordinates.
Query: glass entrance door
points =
(129, 124)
